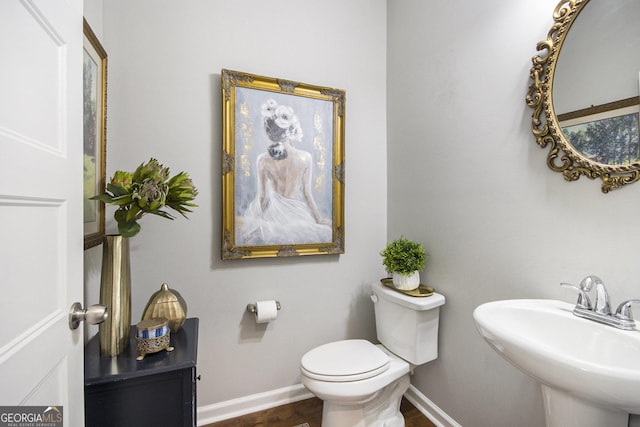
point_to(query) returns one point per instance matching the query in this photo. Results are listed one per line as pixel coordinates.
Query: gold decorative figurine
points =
(167, 303)
(153, 336)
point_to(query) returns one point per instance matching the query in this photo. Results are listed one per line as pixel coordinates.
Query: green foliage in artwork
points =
(611, 141)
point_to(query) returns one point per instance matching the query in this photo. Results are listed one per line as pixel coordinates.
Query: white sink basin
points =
(583, 366)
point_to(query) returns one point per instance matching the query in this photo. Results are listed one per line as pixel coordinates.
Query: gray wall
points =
(164, 101)
(468, 180)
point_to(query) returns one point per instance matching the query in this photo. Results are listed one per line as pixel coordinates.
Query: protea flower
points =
(151, 194)
(122, 180)
(147, 191)
(181, 194)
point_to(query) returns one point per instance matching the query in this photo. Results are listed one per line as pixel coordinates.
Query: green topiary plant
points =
(403, 256)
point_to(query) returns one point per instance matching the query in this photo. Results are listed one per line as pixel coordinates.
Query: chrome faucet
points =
(601, 312)
(603, 306)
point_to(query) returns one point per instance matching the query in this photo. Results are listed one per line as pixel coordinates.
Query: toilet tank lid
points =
(415, 303)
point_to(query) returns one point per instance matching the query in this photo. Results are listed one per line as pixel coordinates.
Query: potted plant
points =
(148, 190)
(404, 259)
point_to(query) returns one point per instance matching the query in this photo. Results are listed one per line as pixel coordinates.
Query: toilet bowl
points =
(356, 398)
(361, 383)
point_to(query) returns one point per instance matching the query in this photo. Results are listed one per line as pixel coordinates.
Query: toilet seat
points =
(344, 361)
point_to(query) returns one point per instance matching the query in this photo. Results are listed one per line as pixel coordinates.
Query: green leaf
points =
(103, 198)
(163, 214)
(122, 200)
(131, 213)
(116, 190)
(128, 229)
(120, 215)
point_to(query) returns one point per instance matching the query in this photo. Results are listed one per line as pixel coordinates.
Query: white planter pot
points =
(406, 282)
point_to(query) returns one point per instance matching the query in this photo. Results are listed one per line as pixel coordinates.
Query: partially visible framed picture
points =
(606, 134)
(282, 167)
(95, 138)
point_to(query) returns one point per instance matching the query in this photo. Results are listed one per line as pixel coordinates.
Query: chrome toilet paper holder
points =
(253, 308)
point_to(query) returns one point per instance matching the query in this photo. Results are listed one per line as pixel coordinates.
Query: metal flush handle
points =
(93, 315)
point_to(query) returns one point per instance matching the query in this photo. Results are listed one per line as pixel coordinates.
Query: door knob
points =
(93, 315)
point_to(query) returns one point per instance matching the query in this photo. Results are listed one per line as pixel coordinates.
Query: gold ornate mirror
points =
(586, 104)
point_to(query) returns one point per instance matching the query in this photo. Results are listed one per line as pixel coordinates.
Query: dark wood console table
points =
(159, 390)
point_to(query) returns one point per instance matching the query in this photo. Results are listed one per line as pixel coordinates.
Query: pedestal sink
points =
(590, 373)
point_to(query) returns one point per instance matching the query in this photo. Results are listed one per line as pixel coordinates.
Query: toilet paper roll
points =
(266, 311)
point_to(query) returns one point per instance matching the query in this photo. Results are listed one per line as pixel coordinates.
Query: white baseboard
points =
(282, 396)
(252, 403)
(429, 409)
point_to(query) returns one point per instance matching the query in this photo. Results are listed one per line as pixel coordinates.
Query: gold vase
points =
(167, 303)
(115, 294)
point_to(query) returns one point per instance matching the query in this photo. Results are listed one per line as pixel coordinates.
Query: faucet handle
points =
(624, 309)
(583, 298)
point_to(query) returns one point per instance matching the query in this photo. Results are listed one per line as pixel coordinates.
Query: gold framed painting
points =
(94, 123)
(607, 134)
(282, 167)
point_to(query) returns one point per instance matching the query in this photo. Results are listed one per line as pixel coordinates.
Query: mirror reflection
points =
(596, 82)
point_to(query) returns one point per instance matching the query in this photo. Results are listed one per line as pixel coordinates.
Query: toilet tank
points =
(406, 325)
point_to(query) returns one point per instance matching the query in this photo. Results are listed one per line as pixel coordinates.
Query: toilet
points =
(361, 383)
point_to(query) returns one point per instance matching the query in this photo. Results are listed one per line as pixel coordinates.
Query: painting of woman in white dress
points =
(282, 167)
(278, 205)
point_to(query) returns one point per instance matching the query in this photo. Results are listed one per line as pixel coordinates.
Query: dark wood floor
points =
(309, 411)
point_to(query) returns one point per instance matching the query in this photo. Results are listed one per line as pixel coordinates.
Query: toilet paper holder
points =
(253, 308)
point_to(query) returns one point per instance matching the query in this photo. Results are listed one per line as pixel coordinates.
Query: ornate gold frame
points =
(94, 230)
(562, 157)
(234, 161)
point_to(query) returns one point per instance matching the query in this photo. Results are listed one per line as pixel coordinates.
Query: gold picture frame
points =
(605, 134)
(282, 167)
(95, 135)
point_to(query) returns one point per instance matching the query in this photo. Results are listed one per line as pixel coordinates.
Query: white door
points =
(41, 225)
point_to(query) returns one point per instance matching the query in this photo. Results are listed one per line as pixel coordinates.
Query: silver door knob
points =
(93, 315)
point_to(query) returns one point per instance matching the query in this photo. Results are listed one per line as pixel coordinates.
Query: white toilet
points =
(361, 383)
